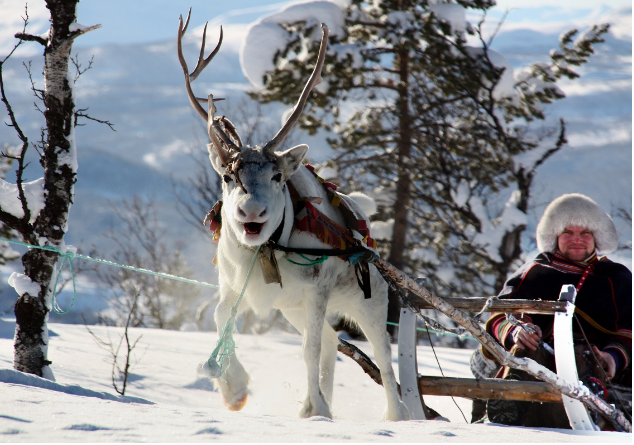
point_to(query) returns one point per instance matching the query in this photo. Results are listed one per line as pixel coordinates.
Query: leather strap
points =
(596, 325)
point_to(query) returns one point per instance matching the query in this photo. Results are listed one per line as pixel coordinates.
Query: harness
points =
(308, 218)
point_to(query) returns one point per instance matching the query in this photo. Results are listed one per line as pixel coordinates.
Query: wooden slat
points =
(487, 389)
(476, 305)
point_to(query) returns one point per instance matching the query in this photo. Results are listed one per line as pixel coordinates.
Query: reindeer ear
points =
(216, 163)
(290, 160)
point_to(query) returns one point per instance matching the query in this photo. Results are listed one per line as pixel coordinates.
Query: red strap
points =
(584, 276)
(598, 382)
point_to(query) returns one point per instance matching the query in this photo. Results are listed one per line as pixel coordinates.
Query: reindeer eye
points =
(277, 177)
(226, 178)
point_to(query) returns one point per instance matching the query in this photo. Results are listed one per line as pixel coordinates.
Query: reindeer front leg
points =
(310, 323)
(328, 358)
(315, 314)
(234, 380)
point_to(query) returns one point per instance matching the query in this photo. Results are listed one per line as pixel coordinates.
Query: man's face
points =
(576, 243)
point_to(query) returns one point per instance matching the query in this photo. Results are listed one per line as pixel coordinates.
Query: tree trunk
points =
(510, 251)
(59, 163)
(403, 186)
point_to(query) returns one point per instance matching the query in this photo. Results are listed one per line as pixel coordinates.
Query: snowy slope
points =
(166, 402)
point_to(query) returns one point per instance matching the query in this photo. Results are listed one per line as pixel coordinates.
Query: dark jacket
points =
(605, 296)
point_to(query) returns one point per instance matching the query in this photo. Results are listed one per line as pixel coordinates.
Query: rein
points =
(358, 253)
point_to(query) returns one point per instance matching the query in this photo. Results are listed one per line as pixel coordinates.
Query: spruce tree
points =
(421, 115)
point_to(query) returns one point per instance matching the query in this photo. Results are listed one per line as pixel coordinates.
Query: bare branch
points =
(80, 113)
(561, 141)
(366, 23)
(36, 91)
(20, 224)
(81, 31)
(31, 38)
(78, 67)
(625, 214)
(25, 20)
(498, 26)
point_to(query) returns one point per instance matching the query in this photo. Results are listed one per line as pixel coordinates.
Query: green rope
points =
(225, 347)
(311, 262)
(451, 334)
(68, 258)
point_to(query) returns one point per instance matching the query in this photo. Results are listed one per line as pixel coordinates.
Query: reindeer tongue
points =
(253, 228)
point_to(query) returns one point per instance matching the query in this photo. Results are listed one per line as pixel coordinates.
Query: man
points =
(570, 235)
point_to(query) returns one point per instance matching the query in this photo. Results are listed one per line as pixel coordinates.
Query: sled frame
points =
(412, 381)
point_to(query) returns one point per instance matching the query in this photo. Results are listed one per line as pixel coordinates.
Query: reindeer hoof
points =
(237, 404)
(401, 413)
(320, 409)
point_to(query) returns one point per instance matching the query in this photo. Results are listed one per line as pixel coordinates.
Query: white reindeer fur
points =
(308, 293)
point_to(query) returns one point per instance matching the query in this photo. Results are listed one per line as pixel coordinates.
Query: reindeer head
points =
(254, 178)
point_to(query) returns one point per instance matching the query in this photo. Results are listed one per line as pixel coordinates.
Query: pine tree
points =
(422, 116)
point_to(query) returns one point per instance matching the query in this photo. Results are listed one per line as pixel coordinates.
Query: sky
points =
(141, 21)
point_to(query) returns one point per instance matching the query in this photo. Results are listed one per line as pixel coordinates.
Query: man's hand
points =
(607, 362)
(524, 339)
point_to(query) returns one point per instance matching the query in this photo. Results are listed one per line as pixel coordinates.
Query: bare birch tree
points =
(39, 210)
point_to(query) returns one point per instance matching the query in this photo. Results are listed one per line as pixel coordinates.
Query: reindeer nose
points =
(252, 211)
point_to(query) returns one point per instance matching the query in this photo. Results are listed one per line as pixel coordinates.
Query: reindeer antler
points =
(214, 127)
(212, 124)
(315, 79)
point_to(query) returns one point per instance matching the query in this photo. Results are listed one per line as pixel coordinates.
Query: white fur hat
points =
(576, 210)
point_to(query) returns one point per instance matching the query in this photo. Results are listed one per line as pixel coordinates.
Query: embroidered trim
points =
(352, 222)
(214, 218)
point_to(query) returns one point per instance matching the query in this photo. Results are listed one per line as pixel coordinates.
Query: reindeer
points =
(257, 206)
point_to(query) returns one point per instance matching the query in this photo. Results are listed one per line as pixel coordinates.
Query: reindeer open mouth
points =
(253, 228)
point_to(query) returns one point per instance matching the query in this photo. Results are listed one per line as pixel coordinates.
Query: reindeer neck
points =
(289, 218)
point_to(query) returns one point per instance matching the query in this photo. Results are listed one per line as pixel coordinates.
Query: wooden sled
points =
(414, 385)
(553, 388)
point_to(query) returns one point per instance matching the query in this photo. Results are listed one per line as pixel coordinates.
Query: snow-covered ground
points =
(167, 402)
